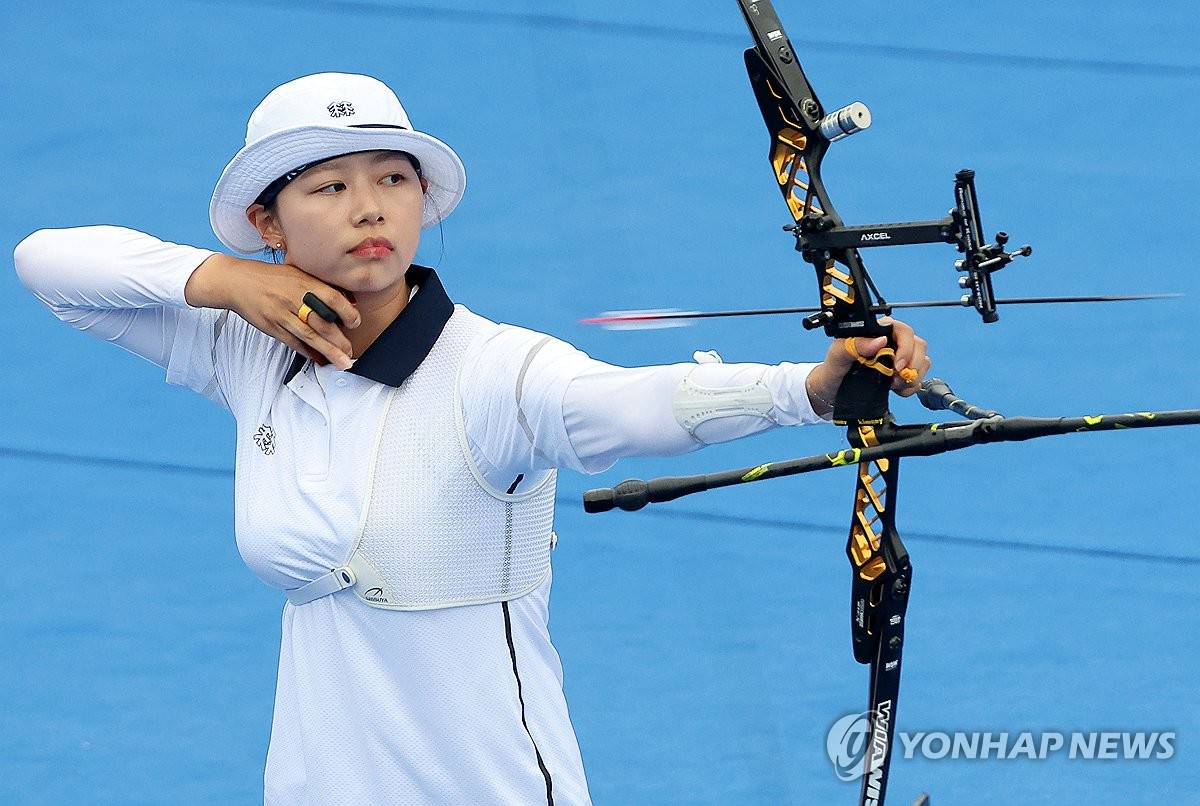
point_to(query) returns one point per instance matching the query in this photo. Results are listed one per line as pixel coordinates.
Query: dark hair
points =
(271, 191)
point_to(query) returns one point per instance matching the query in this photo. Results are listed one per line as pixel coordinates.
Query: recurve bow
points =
(801, 130)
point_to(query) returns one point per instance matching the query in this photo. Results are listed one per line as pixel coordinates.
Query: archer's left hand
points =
(911, 363)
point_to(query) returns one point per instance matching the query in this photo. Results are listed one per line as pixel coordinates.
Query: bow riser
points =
(881, 571)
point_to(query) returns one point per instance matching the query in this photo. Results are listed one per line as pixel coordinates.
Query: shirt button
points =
(342, 381)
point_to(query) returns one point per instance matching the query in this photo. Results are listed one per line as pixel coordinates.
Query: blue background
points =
(617, 160)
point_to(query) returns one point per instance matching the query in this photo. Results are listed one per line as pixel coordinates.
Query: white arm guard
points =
(695, 404)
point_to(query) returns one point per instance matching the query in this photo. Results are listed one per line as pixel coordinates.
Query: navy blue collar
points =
(403, 345)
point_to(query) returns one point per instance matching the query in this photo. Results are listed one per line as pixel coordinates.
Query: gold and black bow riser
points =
(801, 131)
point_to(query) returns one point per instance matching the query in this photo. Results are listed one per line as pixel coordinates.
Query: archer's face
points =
(354, 221)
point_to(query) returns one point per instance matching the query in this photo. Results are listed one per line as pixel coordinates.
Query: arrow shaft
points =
(634, 318)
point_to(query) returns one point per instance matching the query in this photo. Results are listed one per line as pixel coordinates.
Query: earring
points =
(279, 245)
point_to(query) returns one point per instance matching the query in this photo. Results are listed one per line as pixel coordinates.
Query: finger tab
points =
(320, 308)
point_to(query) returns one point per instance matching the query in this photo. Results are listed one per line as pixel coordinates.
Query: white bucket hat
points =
(319, 117)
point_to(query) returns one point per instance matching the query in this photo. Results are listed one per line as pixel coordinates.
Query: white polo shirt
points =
(451, 705)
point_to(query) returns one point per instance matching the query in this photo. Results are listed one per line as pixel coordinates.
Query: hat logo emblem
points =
(340, 109)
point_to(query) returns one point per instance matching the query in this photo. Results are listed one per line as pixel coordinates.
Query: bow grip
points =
(862, 396)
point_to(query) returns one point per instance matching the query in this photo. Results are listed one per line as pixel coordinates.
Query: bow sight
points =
(802, 133)
(817, 236)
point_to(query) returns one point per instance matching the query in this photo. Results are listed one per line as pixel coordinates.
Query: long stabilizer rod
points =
(923, 440)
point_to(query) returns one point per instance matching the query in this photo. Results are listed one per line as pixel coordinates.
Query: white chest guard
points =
(434, 534)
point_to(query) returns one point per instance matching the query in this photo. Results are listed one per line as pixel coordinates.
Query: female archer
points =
(396, 453)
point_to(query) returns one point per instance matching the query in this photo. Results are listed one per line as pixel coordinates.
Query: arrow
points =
(650, 319)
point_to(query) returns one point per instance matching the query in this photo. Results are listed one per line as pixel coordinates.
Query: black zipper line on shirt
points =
(512, 653)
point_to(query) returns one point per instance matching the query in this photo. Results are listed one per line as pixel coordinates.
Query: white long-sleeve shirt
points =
(459, 705)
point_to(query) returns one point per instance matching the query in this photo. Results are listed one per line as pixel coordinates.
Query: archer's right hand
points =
(269, 296)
